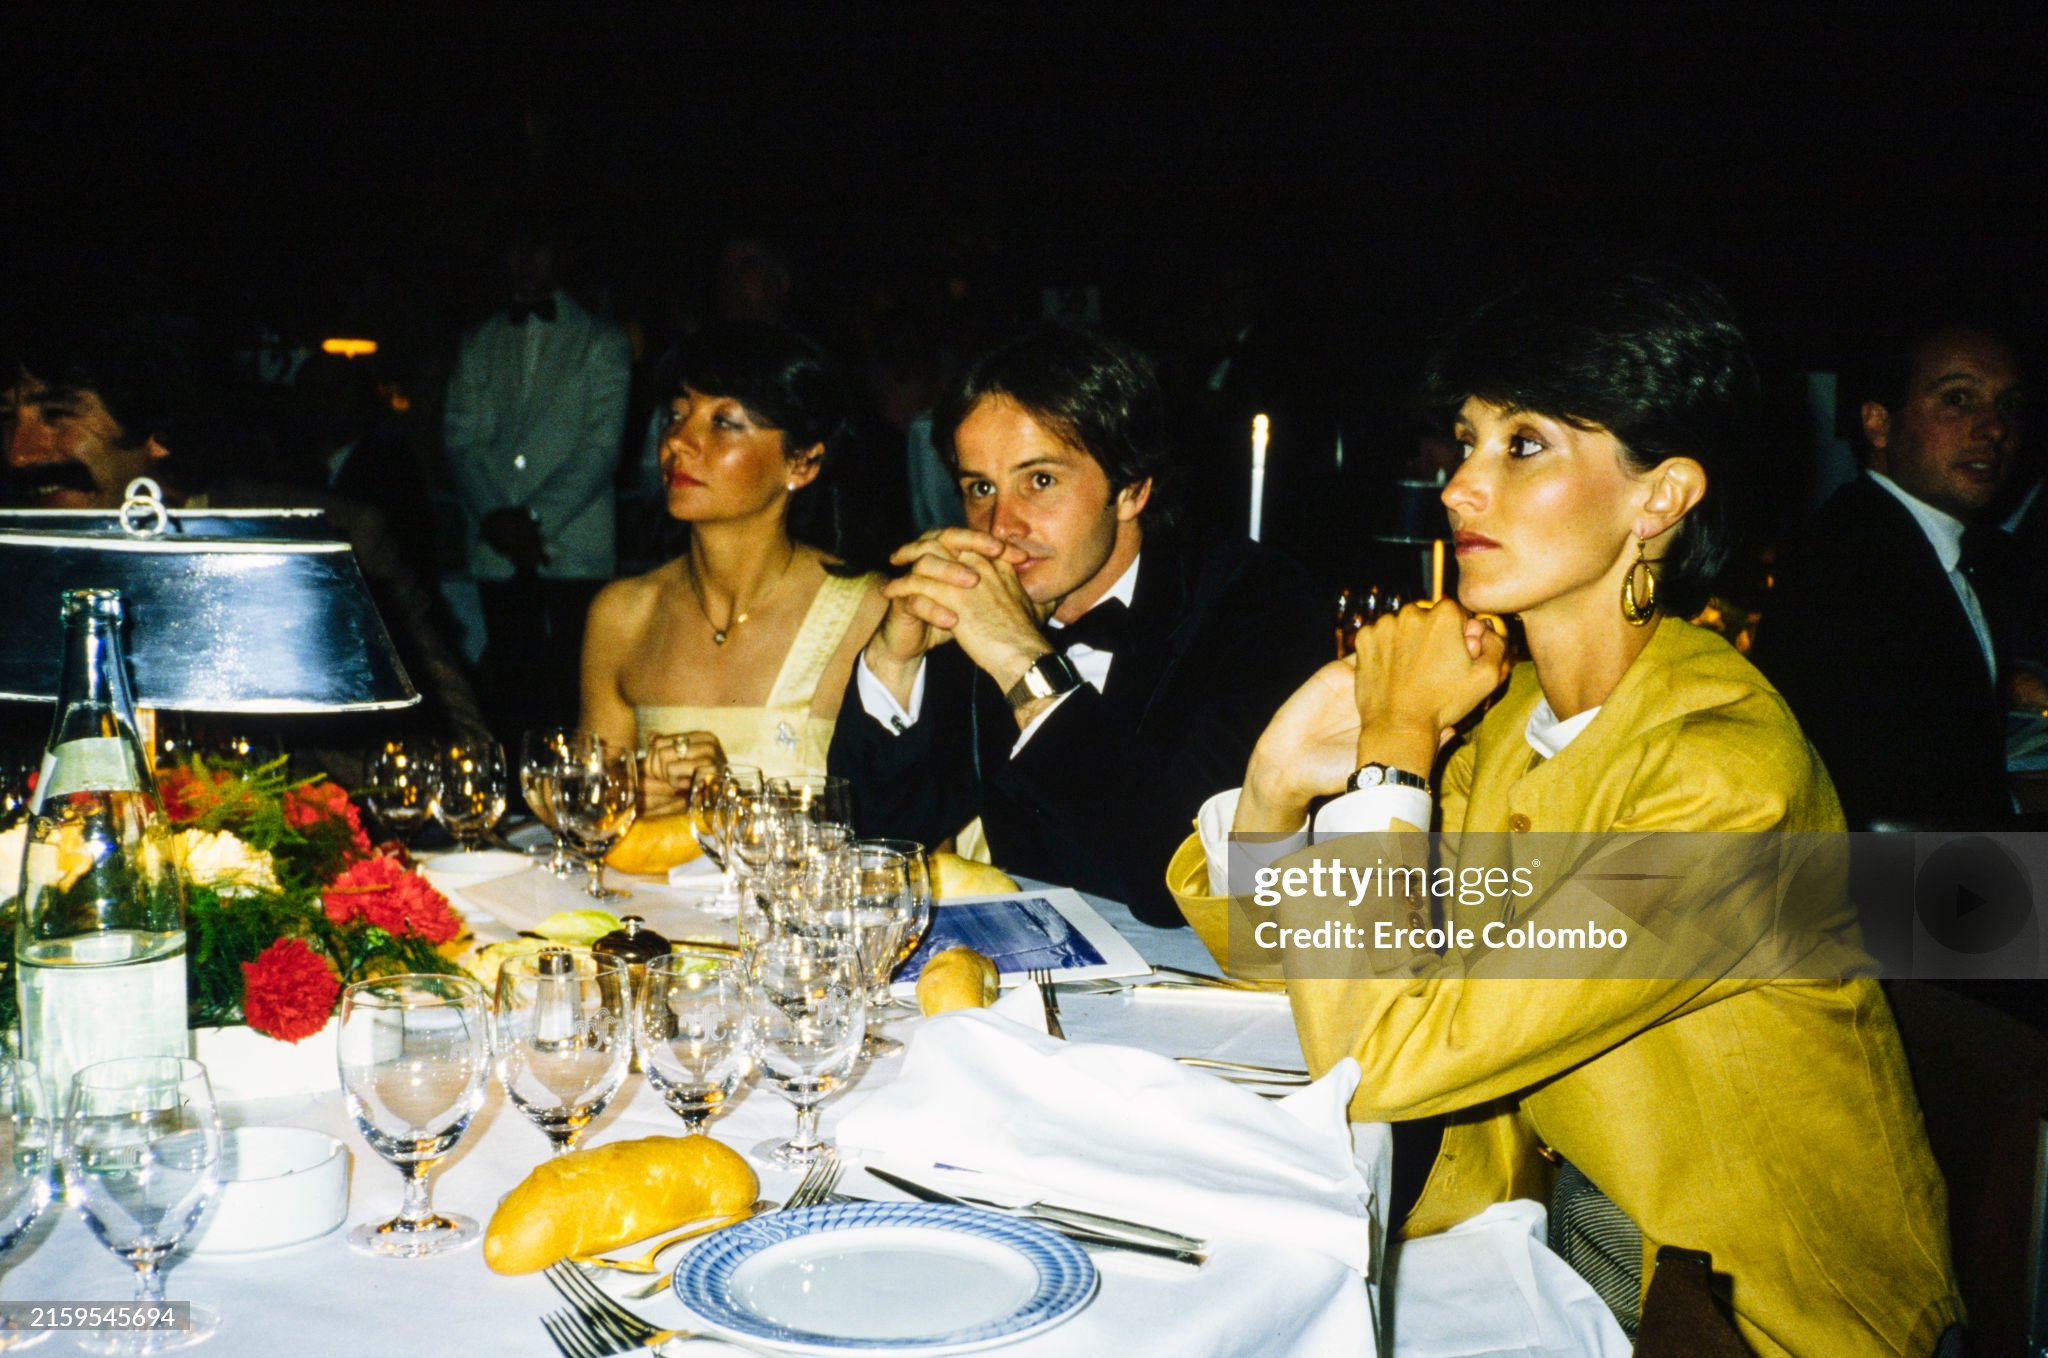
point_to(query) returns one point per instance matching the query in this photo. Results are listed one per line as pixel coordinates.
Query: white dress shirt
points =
(1360, 812)
(1946, 533)
(1091, 662)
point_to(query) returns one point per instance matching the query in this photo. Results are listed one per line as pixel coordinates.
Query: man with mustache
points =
(1884, 630)
(65, 447)
(1107, 675)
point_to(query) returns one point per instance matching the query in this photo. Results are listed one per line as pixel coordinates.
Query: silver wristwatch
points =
(1386, 775)
(1049, 676)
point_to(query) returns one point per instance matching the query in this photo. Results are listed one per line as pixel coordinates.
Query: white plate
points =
(884, 1277)
(470, 868)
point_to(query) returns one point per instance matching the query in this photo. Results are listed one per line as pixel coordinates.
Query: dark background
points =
(1383, 160)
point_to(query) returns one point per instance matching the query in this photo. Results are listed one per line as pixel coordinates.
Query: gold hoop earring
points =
(1639, 608)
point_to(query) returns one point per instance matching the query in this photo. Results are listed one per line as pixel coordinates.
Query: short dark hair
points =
(1649, 352)
(778, 374)
(1880, 367)
(142, 378)
(1099, 394)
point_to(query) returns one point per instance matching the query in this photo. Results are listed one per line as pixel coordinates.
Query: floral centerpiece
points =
(286, 899)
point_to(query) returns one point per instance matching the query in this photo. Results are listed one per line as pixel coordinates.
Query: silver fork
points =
(818, 1183)
(1042, 978)
(573, 1336)
(604, 1321)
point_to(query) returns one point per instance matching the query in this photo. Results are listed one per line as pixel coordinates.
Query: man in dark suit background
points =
(1107, 675)
(1882, 629)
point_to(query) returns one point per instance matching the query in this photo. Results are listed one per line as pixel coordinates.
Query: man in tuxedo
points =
(1105, 674)
(536, 407)
(1882, 632)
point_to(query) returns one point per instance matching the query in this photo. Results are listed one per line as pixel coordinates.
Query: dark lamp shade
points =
(276, 620)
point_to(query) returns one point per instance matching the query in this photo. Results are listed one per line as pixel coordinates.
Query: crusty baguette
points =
(958, 978)
(606, 1196)
(654, 844)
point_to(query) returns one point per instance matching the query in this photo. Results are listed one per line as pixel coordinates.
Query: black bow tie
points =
(544, 309)
(1103, 627)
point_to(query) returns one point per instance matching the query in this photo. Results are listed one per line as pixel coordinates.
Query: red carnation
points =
(185, 794)
(288, 992)
(382, 892)
(317, 802)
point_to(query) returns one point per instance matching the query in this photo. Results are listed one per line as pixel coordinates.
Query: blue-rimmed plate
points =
(884, 1277)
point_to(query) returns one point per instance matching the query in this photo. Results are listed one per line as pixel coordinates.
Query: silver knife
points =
(1150, 1239)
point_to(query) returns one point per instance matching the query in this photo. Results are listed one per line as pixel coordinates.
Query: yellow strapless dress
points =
(781, 738)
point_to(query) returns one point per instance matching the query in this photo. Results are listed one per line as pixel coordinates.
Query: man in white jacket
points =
(535, 410)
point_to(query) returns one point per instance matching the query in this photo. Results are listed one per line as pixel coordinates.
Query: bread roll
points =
(654, 844)
(958, 978)
(954, 876)
(596, 1199)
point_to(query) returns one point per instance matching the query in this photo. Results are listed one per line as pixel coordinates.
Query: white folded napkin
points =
(1120, 1131)
(1489, 1288)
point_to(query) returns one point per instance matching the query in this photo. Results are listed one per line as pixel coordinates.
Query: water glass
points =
(917, 862)
(415, 1061)
(596, 799)
(720, 813)
(27, 1172)
(692, 1032)
(142, 1147)
(472, 794)
(541, 756)
(806, 997)
(404, 779)
(562, 1037)
(821, 798)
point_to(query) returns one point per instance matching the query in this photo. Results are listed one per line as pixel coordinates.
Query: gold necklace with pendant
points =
(719, 635)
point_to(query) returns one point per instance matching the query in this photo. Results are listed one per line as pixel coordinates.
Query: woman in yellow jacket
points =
(1734, 1105)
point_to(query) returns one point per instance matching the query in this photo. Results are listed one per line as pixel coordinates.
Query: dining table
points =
(1489, 1289)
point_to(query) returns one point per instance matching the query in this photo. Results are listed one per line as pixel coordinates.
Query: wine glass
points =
(917, 864)
(142, 1146)
(691, 1031)
(824, 799)
(471, 796)
(541, 756)
(404, 780)
(596, 798)
(727, 799)
(880, 906)
(562, 1037)
(27, 1154)
(415, 1061)
(806, 996)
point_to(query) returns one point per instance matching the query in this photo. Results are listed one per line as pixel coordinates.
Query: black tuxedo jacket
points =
(1867, 641)
(1106, 788)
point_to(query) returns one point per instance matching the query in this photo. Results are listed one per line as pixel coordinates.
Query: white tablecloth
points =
(321, 1297)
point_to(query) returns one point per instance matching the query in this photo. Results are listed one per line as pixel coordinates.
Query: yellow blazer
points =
(1771, 1124)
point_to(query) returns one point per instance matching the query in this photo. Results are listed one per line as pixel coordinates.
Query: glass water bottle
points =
(100, 942)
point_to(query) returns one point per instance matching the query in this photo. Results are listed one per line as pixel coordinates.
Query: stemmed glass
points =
(918, 864)
(821, 798)
(541, 756)
(596, 798)
(562, 1037)
(884, 912)
(721, 808)
(692, 1032)
(142, 1146)
(415, 1060)
(472, 794)
(405, 778)
(27, 1152)
(807, 998)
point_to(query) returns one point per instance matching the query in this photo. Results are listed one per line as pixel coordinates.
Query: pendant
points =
(717, 637)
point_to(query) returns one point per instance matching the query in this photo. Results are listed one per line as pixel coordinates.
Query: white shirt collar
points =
(1123, 591)
(1547, 735)
(1943, 530)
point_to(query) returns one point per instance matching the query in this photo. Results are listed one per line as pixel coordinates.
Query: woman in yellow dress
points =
(1716, 1104)
(739, 649)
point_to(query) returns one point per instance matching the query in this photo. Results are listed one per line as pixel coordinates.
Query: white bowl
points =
(279, 1186)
